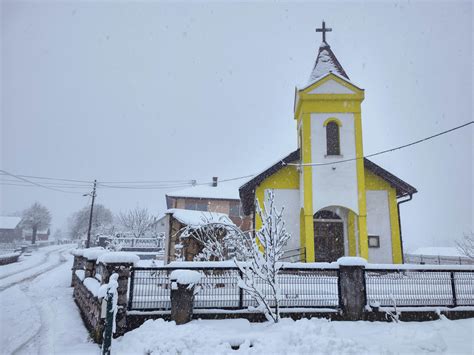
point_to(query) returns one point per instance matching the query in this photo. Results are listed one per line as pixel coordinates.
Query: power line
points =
(52, 184)
(387, 150)
(151, 187)
(37, 184)
(173, 184)
(47, 178)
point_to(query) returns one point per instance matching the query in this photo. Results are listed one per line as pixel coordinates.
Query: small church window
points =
(332, 139)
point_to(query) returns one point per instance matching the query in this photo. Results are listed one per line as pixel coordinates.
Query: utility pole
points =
(88, 243)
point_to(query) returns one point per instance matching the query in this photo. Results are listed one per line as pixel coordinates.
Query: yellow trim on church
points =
(332, 119)
(285, 178)
(374, 182)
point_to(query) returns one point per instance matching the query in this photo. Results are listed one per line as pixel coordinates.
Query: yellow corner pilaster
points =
(362, 219)
(351, 234)
(395, 228)
(308, 189)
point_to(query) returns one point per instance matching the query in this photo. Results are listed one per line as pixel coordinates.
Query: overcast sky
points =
(158, 91)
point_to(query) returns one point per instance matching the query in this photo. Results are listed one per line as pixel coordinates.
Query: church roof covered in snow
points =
(326, 62)
(247, 191)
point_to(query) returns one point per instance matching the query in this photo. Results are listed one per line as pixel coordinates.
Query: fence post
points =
(352, 289)
(130, 295)
(109, 320)
(78, 264)
(453, 288)
(182, 294)
(241, 291)
(89, 268)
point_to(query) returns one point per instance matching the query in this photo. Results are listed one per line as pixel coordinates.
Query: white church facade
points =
(336, 202)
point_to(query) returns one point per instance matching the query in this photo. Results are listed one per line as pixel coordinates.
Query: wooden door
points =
(328, 240)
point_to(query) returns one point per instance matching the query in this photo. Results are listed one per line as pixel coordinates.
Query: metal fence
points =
(437, 260)
(419, 288)
(218, 288)
(303, 287)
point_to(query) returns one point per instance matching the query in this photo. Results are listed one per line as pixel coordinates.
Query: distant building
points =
(41, 235)
(9, 229)
(214, 197)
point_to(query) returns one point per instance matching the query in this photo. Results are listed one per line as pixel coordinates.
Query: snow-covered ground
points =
(38, 314)
(315, 336)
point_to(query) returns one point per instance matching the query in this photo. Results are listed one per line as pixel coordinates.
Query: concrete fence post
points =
(352, 287)
(182, 294)
(89, 268)
(78, 264)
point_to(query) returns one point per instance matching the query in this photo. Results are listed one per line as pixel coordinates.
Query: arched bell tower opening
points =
(330, 231)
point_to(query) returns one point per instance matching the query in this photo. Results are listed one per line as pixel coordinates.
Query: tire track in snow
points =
(40, 272)
(25, 289)
(45, 257)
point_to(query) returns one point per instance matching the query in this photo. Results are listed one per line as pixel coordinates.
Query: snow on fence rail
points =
(438, 259)
(307, 287)
(419, 287)
(218, 288)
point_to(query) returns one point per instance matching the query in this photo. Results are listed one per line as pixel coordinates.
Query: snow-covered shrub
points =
(466, 245)
(261, 267)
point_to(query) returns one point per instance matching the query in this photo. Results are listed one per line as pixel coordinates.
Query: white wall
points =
(331, 87)
(378, 223)
(290, 200)
(334, 185)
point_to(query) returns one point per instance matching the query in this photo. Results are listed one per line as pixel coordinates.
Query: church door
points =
(328, 236)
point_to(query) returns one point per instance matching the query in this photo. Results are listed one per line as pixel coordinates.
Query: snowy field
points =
(315, 336)
(39, 316)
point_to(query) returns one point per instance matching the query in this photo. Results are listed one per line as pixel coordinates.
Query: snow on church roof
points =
(326, 62)
(198, 218)
(247, 190)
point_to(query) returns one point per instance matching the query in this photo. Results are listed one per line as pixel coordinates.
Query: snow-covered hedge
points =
(81, 251)
(118, 257)
(93, 254)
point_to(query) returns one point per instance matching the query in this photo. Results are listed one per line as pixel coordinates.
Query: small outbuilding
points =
(178, 247)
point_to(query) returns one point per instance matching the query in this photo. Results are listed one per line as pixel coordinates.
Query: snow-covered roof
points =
(228, 190)
(198, 218)
(326, 62)
(9, 222)
(435, 251)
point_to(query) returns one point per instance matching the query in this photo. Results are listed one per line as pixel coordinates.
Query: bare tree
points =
(137, 222)
(261, 268)
(102, 220)
(466, 245)
(36, 217)
(221, 239)
(257, 256)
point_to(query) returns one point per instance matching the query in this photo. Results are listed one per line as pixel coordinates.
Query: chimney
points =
(214, 181)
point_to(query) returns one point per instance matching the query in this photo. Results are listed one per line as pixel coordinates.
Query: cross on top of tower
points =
(324, 29)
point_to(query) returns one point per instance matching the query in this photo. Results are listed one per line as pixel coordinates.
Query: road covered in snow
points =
(38, 313)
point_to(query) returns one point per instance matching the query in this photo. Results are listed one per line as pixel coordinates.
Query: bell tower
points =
(328, 115)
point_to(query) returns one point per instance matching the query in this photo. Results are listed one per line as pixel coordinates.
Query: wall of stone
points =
(90, 309)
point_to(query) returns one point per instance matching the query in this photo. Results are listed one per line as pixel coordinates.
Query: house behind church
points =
(215, 197)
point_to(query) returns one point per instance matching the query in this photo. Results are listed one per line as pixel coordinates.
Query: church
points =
(336, 202)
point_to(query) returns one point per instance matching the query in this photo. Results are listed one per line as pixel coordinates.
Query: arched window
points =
(332, 138)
